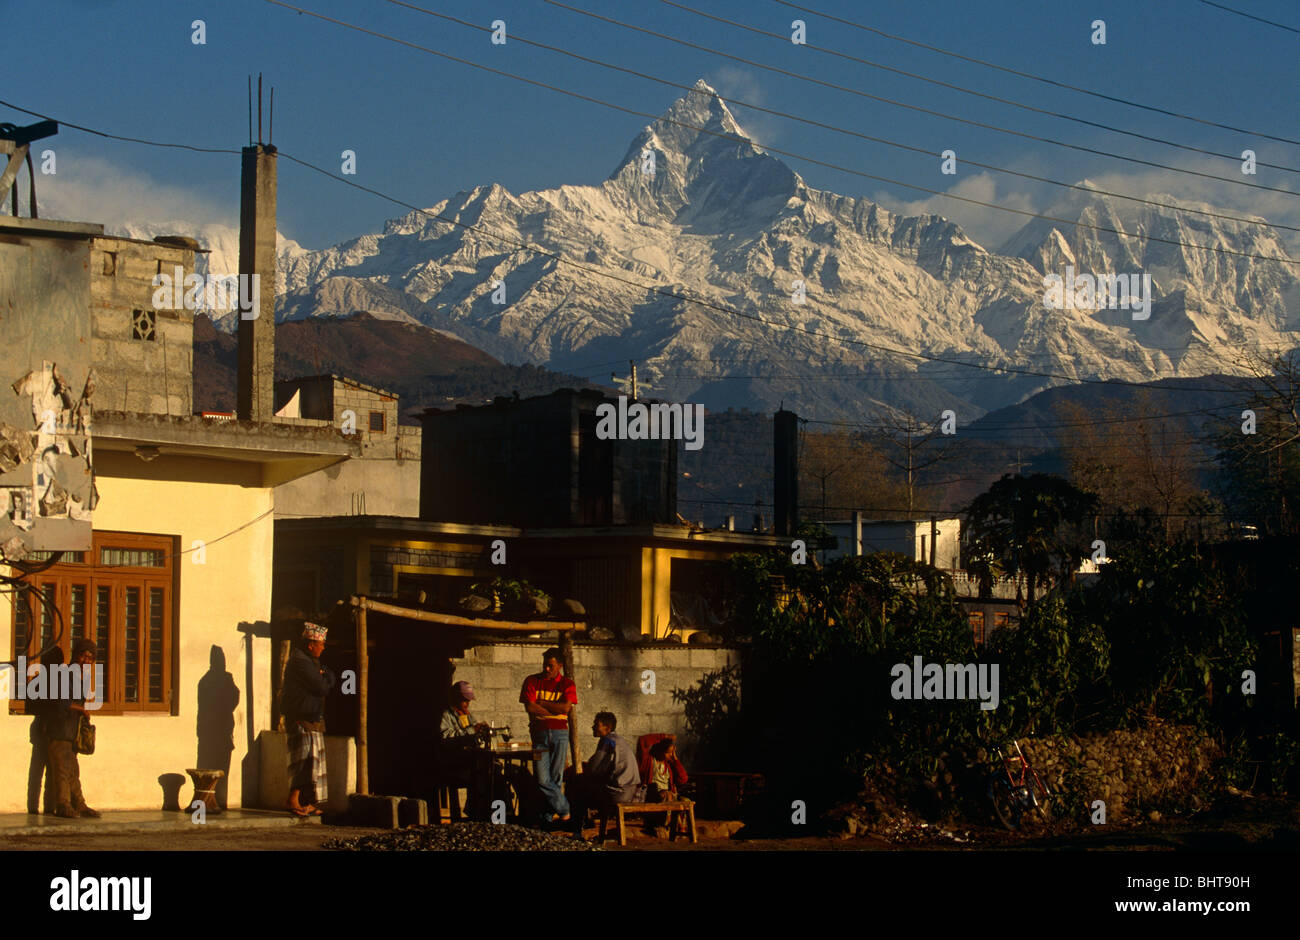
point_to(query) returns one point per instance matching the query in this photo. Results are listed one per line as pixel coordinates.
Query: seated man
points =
(458, 738)
(611, 774)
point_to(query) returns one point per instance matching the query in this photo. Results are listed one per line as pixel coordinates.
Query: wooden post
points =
(363, 705)
(283, 650)
(566, 653)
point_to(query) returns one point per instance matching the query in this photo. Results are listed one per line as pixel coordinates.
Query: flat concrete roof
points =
(60, 228)
(191, 435)
(51, 227)
(404, 525)
(646, 532)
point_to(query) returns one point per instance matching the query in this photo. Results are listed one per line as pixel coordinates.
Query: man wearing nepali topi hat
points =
(306, 683)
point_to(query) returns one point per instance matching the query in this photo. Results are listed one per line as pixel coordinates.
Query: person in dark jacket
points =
(61, 719)
(306, 683)
(39, 766)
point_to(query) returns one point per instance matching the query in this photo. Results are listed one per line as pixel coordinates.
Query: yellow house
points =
(173, 582)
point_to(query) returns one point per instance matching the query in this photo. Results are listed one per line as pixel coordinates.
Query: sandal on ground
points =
(87, 811)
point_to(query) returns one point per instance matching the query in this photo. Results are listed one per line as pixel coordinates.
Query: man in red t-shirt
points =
(548, 697)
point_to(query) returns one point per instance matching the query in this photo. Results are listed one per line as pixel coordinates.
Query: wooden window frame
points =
(118, 579)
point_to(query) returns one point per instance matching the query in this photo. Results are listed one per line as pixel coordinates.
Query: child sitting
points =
(662, 772)
(664, 776)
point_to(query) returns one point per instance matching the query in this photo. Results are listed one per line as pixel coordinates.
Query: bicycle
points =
(1021, 800)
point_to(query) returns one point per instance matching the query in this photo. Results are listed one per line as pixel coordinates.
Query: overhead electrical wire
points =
(1039, 78)
(902, 104)
(515, 37)
(969, 91)
(1251, 16)
(132, 140)
(797, 156)
(650, 288)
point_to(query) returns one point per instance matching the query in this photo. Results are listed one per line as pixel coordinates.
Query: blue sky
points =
(424, 127)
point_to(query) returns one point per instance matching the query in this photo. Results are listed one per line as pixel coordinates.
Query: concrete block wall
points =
(363, 401)
(144, 376)
(609, 677)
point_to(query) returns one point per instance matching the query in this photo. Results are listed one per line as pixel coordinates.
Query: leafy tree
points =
(1177, 634)
(1031, 526)
(1046, 662)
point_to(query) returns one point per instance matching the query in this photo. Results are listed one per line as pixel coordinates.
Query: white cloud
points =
(90, 189)
(989, 227)
(731, 81)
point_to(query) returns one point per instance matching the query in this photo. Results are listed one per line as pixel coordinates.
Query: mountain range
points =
(733, 283)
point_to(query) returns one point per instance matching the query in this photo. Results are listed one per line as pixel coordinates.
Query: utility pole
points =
(630, 381)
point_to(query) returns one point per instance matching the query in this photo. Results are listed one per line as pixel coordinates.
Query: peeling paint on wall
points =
(55, 455)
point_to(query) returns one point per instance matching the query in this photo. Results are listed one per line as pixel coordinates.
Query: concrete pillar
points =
(255, 398)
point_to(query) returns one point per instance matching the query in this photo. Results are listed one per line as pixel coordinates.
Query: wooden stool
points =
(672, 807)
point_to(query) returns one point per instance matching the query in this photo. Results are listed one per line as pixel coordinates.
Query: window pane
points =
(22, 625)
(133, 557)
(77, 613)
(155, 643)
(132, 624)
(47, 619)
(103, 610)
(78, 558)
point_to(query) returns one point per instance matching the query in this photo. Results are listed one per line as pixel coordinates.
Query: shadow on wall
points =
(218, 699)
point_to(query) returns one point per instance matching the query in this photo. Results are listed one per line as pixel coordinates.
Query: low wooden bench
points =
(623, 810)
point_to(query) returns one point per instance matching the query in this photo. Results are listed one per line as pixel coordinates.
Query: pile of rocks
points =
(463, 837)
(1157, 765)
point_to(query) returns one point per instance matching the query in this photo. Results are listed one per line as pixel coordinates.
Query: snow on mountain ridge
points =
(721, 221)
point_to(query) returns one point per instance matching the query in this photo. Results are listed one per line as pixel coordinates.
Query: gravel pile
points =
(462, 837)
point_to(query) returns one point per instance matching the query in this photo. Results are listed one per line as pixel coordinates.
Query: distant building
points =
(537, 462)
(918, 539)
(384, 482)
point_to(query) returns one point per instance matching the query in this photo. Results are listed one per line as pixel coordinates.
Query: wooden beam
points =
(363, 705)
(476, 623)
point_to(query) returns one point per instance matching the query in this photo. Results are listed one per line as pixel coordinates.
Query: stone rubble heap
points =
(1159, 764)
(462, 837)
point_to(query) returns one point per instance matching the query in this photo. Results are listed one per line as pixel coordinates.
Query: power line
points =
(651, 288)
(133, 140)
(1039, 78)
(1251, 16)
(797, 156)
(837, 128)
(969, 91)
(911, 107)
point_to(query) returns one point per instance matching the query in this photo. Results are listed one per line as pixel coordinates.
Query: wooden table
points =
(523, 754)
